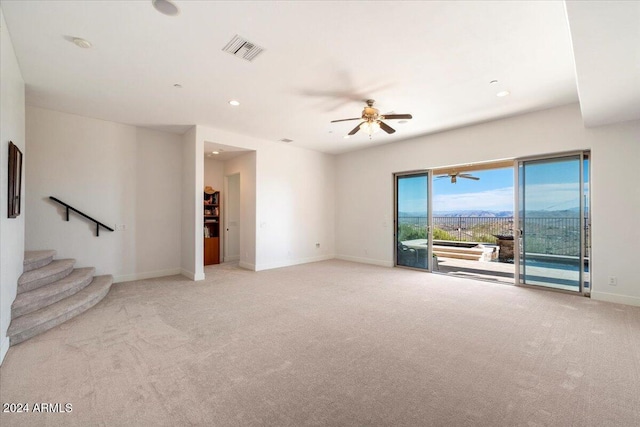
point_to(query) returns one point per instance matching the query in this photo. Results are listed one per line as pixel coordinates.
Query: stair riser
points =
(37, 305)
(37, 264)
(26, 287)
(42, 327)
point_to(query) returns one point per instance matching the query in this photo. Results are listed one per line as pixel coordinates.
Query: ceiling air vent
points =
(242, 48)
(286, 140)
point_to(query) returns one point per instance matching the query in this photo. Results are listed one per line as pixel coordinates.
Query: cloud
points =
(500, 199)
(537, 197)
(552, 196)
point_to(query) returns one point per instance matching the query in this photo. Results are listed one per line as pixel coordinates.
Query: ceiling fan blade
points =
(385, 127)
(475, 178)
(346, 120)
(397, 116)
(355, 130)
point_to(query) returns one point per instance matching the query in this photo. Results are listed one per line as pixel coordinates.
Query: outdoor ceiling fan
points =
(455, 175)
(372, 120)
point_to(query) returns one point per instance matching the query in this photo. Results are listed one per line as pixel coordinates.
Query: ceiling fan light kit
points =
(369, 127)
(372, 120)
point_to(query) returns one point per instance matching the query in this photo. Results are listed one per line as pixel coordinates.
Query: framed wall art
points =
(15, 181)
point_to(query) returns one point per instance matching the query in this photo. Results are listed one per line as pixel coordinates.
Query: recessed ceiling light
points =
(234, 103)
(503, 93)
(166, 7)
(346, 137)
(215, 152)
(493, 82)
(85, 44)
(178, 85)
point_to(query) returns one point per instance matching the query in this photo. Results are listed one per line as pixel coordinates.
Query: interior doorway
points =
(225, 167)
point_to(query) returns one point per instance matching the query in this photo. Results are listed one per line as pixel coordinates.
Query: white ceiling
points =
(321, 60)
(225, 152)
(606, 43)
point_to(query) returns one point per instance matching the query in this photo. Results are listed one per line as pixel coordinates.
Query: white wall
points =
(116, 173)
(158, 200)
(365, 194)
(214, 174)
(12, 128)
(295, 206)
(231, 218)
(192, 242)
(245, 166)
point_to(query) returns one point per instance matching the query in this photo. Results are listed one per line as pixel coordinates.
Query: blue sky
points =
(550, 186)
(493, 192)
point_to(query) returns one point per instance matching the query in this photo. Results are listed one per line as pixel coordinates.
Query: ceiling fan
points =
(372, 120)
(455, 175)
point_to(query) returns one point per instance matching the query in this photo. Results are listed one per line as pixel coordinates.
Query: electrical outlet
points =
(317, 245)
(613, 281)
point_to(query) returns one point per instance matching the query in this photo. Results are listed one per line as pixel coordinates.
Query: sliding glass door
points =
(412, 242)
(553, 222)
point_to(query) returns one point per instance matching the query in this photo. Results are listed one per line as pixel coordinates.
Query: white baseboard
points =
(146, 275)
(247, 266)
(4, 347)
(616, 298)
(289, 263)
(232, 258)
(365, 260)
(191, 275)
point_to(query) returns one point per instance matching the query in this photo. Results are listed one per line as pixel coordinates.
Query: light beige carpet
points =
(332, 343)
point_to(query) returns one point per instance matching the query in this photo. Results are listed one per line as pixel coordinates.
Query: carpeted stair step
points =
(29, 325)
(36, 259)
(42, 276)
(43, 296)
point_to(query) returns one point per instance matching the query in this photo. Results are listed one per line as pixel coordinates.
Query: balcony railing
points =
(554, 236)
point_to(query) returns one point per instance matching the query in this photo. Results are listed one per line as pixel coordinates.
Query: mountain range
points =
(563, 213)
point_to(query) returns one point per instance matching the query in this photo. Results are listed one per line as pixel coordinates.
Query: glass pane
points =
(411, 234)
(550, 222)
(586, 276)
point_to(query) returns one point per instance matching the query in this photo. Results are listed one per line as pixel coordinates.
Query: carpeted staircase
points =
(52, 292)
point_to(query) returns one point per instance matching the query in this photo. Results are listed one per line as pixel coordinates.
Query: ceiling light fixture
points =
(215, 152)
(234, 103)
(503, 93)
(370, 127)
(85, 44)
(166, 7)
